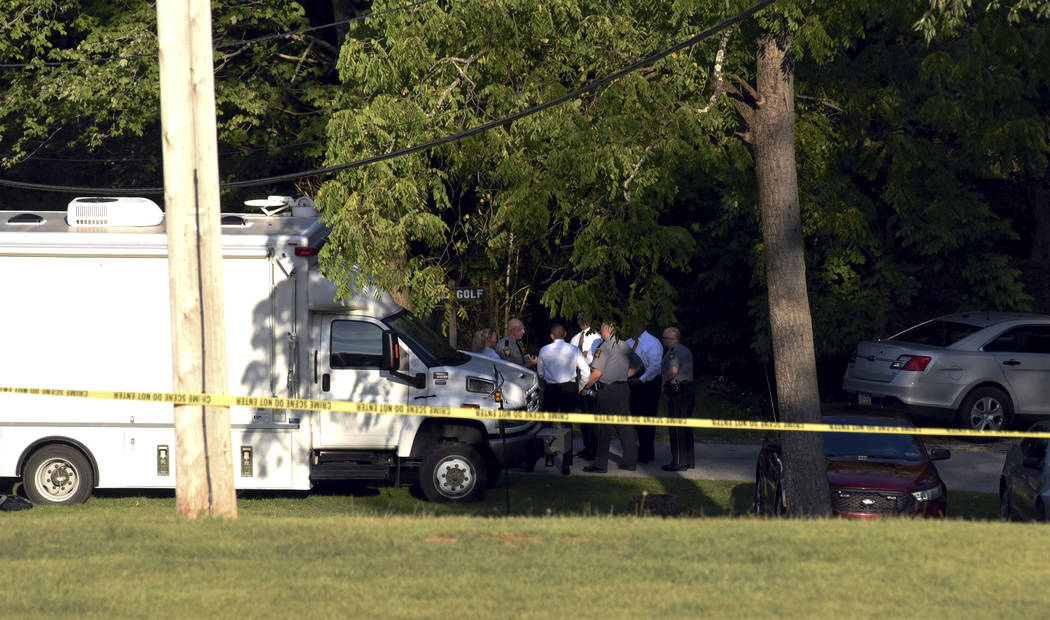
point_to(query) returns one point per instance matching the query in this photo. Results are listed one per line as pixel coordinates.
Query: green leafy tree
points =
(569, 206)
(86, 109)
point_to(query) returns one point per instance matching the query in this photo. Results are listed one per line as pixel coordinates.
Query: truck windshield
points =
(432, 348)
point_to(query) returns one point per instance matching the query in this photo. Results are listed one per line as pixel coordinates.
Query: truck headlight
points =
(928, 495)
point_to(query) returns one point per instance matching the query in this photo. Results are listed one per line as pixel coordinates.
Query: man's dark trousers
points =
(680, 404)
(645, 399)
(613, 400)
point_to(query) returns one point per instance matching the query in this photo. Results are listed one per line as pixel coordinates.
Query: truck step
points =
(349, 471)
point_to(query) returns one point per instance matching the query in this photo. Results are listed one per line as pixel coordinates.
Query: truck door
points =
(350, 360)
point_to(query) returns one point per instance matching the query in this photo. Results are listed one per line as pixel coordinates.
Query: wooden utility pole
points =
(203, 459)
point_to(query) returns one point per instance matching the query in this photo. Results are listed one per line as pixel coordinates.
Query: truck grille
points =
(532, 398)
(864, 501)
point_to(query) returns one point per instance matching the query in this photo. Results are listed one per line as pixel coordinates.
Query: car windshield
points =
(431, 348)
(936, 333)
(873, 446)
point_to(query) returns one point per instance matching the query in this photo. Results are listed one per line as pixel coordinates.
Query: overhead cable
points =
(112, 160)
(294, 176)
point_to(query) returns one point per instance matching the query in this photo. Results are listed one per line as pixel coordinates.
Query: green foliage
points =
(570, 206)
(913, 166)
(917, 160)
(948, 17)
(268, 94)
(923, 131)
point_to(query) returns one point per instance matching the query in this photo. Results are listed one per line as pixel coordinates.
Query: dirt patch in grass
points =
(511, 539)
(441, 539)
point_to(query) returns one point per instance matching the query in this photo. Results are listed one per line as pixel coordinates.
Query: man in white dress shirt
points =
(586, 338)
(563, 370)
(645, 390)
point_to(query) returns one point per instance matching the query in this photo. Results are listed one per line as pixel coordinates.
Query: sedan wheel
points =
(985, 409)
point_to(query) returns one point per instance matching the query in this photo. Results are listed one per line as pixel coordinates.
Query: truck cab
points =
(394, 358)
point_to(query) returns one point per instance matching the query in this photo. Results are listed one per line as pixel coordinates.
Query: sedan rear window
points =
(936, 333)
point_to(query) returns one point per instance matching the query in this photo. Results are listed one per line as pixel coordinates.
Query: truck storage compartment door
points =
(351, 358)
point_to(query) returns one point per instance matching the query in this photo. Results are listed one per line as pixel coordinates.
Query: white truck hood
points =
(450, 383)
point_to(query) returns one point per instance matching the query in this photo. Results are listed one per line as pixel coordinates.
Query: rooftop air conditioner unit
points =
(130, 212)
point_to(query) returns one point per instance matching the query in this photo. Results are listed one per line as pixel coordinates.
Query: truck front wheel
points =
(57, 474)
(453, 472)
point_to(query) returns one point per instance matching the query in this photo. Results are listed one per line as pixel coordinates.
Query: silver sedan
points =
(977, 370)
(1024, 487)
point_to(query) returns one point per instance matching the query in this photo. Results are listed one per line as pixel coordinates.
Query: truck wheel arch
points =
(433, 432)
(44, 441)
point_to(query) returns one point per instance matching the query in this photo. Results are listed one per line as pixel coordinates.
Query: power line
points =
(223, 46)
(110, 160)
(294, 176)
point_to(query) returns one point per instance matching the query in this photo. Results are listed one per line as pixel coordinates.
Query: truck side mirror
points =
(391, 352)
(392, 362)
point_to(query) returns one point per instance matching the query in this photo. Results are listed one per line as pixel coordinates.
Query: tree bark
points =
(791, 327)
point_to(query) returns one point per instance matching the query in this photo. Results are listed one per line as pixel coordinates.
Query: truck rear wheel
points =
(57, 474)
(453, 472)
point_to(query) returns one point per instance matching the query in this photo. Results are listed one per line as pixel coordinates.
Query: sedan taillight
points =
(917, 363)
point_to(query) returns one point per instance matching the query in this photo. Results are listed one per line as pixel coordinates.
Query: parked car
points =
(1024, 489)
(976, 370)
(871, 474)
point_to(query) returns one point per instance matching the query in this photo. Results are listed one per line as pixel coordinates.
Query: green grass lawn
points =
(564, 546)
(571, 547)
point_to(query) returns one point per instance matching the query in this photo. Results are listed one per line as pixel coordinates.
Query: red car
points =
(871, 475)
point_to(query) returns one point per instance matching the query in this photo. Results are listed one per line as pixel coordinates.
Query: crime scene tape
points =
(305, 404)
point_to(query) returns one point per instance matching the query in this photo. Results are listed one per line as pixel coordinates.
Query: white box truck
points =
(86, 307)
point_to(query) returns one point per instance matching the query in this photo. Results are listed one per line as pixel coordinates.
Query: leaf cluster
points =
(90, 92)
(572, 205)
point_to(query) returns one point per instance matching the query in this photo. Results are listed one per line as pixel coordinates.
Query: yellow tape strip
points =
(262, 402)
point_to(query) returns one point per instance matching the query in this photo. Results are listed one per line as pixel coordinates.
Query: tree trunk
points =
(773, 135)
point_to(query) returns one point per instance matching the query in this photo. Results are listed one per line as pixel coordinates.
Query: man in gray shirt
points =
(614, 362)
(677, 375)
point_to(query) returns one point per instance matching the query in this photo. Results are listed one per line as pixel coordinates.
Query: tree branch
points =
(461, 65)
(823, 102)
(637, 166)
(744, 99)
